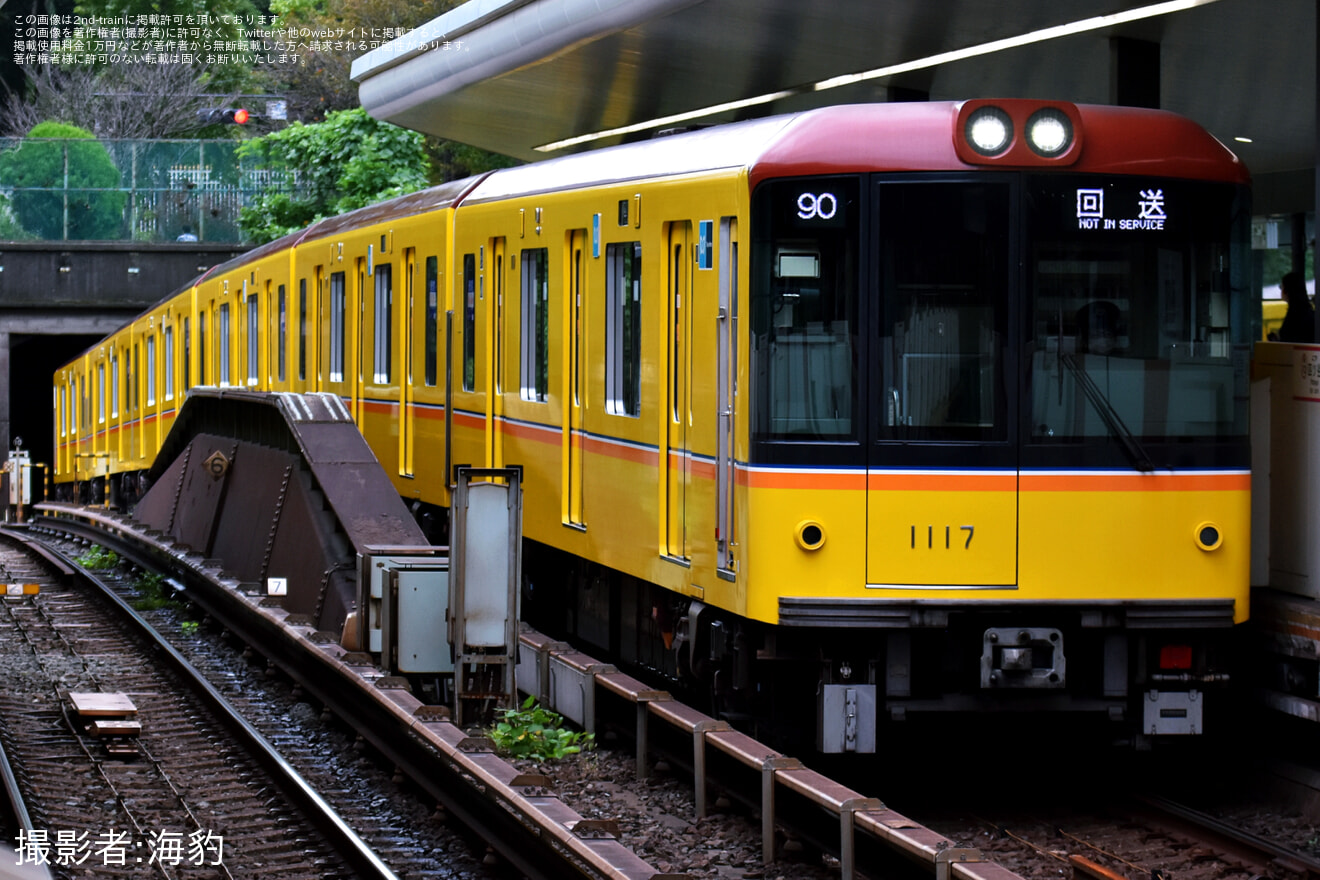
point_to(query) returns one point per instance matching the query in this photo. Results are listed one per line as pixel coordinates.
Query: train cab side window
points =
(432, 316)
(534, 363)
(623, 328)
(384, 323)
(944, 271)
(804, 302)
(337, 316)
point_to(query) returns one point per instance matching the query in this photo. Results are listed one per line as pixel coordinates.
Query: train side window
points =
(469, 322)
(384, 323)
(169, 363)
(337, 326)
(222, 344)
(201, 348)
(187, 356)
(535, 344)
(151, 369)
(432, 289)
(134, 378)
(623, 328)
(100, 393)
(254, 338)
(114, 385)
(282, 346)
(302, 329)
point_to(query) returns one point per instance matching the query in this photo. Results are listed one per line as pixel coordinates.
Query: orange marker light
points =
(240, 116)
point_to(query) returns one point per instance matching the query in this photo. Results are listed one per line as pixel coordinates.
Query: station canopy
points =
(538, 78)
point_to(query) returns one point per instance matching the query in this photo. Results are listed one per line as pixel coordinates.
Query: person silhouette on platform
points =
(1299, 323)
(187, 234)
(1097, 328)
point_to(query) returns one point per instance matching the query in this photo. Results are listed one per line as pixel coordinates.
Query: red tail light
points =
(1176, 657)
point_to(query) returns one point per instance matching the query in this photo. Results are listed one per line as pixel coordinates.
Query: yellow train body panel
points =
(1137, 538)
(860, 421)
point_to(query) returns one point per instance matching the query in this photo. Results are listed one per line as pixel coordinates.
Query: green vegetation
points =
(1277, 262)
(98, 558)
(189, 627)
(83, 189)
(535, 732)
(154, 592)
(346, 162)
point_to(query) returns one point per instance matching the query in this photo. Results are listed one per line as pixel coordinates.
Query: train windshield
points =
(1139, 331)
(1000, 320)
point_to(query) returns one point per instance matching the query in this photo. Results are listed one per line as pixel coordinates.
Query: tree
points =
(347, 161)
(228, 22)
(116, 101)
(82, 201)
(319, 82)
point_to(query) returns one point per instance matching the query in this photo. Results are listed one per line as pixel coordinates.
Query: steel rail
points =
(533, 831)
(342, 838)
(1250, 846)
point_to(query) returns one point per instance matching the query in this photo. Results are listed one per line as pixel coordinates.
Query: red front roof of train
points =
(852, 138)
(920, 137)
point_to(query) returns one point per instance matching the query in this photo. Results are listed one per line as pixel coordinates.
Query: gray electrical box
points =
(407, 609)
(845, 718)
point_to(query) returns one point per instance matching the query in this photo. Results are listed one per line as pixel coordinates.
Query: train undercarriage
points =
(1140, 674)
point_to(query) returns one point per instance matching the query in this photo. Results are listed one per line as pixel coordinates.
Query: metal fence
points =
(129, 190)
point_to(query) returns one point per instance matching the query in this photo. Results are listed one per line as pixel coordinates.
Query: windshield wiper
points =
(1140, 460)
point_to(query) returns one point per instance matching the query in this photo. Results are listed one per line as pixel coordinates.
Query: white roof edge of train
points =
(730, 145)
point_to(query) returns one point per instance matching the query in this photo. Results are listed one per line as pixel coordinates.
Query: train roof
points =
(870, 137)
(846, 138)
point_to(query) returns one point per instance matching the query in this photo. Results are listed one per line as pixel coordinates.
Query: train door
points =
(319, 320)
(942, 466)
(674, 459)
(573, 397)
(409, 309)
(495, 350)
(358, 343)
(726, 377)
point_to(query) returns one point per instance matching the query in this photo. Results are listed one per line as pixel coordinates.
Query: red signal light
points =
(240, 116)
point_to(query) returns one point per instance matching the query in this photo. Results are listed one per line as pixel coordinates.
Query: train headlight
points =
(1050, 132)
(989, 131)
(810, 535)
(1209, 536)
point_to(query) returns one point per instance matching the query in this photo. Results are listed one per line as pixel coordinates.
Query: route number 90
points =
(812, 206)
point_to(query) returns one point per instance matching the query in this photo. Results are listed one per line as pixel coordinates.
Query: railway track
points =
(1105, 844)
(126, 763)
(519, 814)
(1100, 830)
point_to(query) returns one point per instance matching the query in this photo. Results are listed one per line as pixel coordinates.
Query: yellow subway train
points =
(839, 419)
